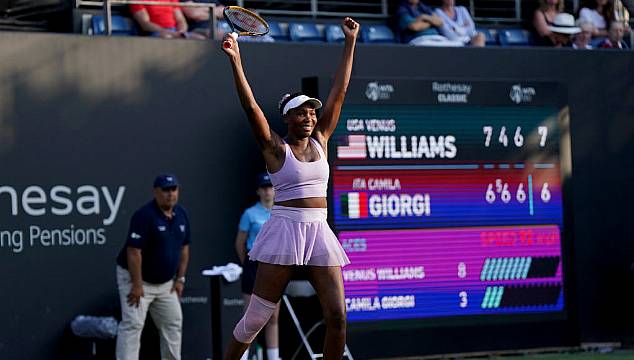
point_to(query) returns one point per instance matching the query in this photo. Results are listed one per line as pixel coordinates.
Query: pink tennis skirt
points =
(298, 236)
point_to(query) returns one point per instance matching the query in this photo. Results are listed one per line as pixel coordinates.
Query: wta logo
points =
(375, 91)
(361, 205)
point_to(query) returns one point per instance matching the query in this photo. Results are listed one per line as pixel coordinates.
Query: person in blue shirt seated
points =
(458, 25)
(416, 19)
(250, 224)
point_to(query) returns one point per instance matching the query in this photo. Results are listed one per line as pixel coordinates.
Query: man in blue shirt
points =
(250, 224)
(151, 271)
(416, 19)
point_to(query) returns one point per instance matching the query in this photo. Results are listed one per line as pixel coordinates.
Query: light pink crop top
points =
(299, 179)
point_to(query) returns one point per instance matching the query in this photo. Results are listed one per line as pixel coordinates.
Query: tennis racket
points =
(243, 22)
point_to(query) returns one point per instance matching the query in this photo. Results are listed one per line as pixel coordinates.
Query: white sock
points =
(245, 355)
(273, 353)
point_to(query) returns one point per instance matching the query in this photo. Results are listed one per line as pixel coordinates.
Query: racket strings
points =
(246, 22)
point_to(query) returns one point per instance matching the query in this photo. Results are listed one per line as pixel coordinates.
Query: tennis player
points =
(297, 233)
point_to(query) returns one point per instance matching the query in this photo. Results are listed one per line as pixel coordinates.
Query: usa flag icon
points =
(351, 147)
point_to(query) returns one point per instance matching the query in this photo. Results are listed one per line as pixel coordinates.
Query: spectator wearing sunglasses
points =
(151, 272)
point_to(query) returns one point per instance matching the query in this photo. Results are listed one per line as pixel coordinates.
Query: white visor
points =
(299, 101)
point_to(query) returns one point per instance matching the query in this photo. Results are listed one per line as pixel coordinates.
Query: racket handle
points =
(226, 44)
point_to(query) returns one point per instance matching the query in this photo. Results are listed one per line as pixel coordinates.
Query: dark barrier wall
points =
(86, 123)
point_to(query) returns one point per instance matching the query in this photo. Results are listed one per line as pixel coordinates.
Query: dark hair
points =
(406, 7)
(543, 5)
(285, 99)
(607, 13)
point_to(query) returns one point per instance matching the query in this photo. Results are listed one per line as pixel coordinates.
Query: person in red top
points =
(167, 22)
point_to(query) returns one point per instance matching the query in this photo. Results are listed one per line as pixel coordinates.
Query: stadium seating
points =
(489, 36)
(304, 32)
(277, 31)
(120, 25)
(377, 34)
(224, 27)
(514, 37)
(334, 34)
(313, 32)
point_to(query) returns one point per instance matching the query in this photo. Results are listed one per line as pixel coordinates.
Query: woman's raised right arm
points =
(265, 137)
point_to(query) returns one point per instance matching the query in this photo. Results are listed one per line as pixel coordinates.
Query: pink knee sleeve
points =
(257, 315)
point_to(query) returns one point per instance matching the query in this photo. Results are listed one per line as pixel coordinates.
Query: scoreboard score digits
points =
(447, 198)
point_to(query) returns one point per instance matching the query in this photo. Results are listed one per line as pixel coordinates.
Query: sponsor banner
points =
(453, 92)
(51, 216)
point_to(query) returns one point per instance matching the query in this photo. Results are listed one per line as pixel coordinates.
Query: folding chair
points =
(303, 288)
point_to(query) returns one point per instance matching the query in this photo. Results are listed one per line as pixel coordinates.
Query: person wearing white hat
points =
(563, 27)
(297, 234)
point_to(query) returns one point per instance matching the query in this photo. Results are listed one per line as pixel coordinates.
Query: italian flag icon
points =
(354, 205)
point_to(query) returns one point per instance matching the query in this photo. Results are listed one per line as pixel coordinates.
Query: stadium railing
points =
(498, 11)
(495, 11)
(320, 8)
(108, 4)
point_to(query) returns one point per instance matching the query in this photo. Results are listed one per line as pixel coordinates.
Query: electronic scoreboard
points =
(447, 197)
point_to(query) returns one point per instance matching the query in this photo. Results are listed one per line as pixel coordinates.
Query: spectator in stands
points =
(583, 38)
(563, 28)
(621, 13)
(198, 17)
(543, 19)
(615, 37)
(458, 25)
(167, 22)
(416, 19)
(629, 5)
(599, 13)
